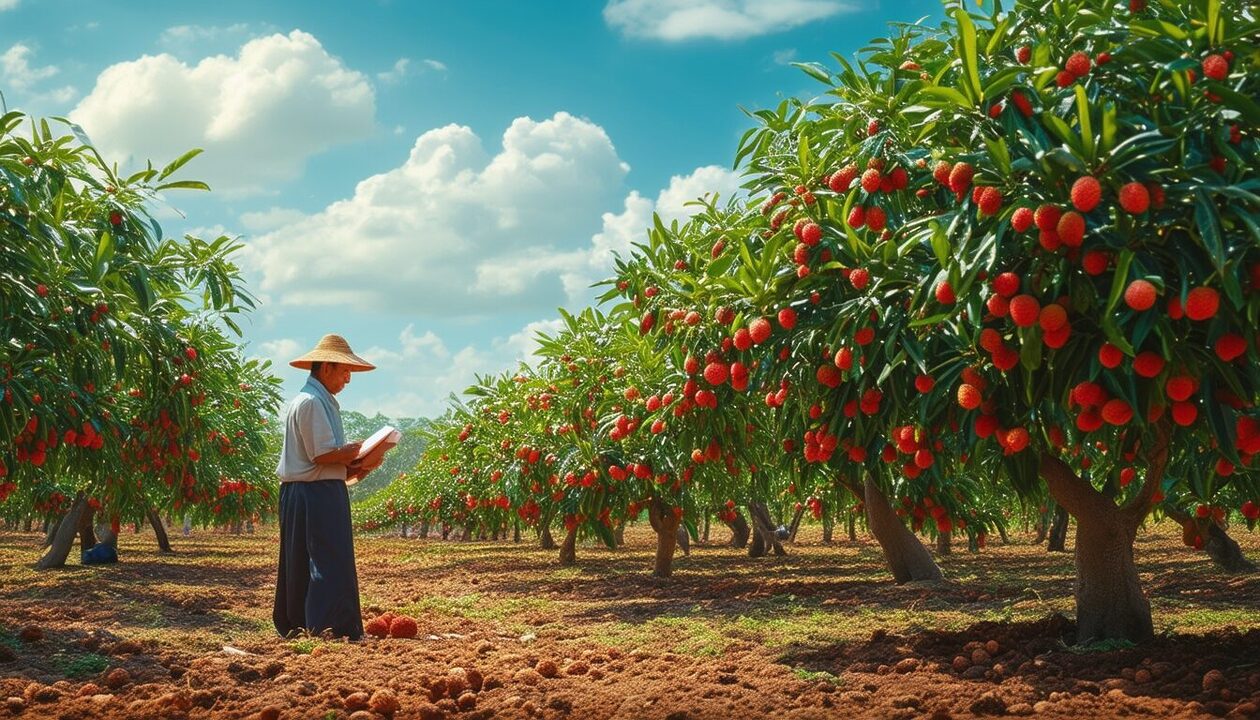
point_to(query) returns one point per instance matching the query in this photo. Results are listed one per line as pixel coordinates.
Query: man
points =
(317, 588)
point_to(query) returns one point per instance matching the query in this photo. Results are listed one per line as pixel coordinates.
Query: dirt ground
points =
(506, 632)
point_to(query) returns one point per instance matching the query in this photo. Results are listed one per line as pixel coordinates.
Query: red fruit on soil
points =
(1071, 229)
(1110, 356)
(787, 318)
(1052, 318)
(1181, 387)
(1077, 64)
(1095, 262)
(1230, 347)
(924, 383)
(960, 177)
(1148, 364)
(403, 627)
(1202, 303)
(969, 396)
(377, 627)
(1117, 412)
(945, 293)
(859, 278)
(1215, 67)
(1086, 193)
(1135, 198)
(1025, 310)
(1140, 295)
(1022, 219)
(716, 373)
(1047, 217)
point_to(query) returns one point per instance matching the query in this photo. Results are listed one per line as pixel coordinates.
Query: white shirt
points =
(308, 433)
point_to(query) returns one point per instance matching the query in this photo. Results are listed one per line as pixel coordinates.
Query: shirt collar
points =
(316, 388)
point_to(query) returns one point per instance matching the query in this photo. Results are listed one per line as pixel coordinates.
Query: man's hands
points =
(361, 467)
(343, 455)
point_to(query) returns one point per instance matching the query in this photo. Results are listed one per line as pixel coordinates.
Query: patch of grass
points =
(1102, 646)
(812, 675)
(79, 665)
(1177, 617)
(233, 621)
(699, 638)
(305, 645)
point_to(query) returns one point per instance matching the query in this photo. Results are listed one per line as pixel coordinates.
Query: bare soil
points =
(505, 632)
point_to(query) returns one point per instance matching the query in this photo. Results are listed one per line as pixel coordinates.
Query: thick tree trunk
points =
(665, 523)
(164, 542)
(1110, 603)
(1058, 531)
(796, 524)
(763, 528)
(446, 532)
(943, 543)
(51, 528)
(705, 535)
(852, 527)
(63, 540)
(1002, 534)
(568, 551)
(516, 530)
(424, 528)
(907, 558)
(87, 535)
(619, 535)
(739, 531)
(1219, 546)
(545, 538)
(829, 528)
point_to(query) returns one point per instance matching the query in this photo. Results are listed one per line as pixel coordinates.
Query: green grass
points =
(1182, 617)
(815, 675)
(79, 665)
(305, 645)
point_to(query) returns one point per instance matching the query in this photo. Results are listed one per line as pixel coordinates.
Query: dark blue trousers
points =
(317, 587)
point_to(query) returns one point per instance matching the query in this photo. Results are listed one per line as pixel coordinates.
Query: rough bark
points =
(829, 528)
(852, 527)
(619, 535)
(568, 551)
(763, 528)
(1058, 531)
(87, 535)
(516, 530)
(63, 539)
(424, 528)
(1110, 603)
(705, 535)
(739, 531)
(796, 524)
(164, 542)
(907, 558)
(666, 525)
(1219, 546)
(545, 538)
(943, 543)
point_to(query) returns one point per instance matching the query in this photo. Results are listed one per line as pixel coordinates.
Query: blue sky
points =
(429, 179)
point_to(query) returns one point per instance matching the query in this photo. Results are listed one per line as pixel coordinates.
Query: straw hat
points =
(333, 349)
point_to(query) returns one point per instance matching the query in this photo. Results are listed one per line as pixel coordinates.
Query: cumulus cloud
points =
(396, 73)
(676, 20)
(436, 234)
(279, 351)
(20, 75)
(8, 4)
(192, 37)
(259, 115)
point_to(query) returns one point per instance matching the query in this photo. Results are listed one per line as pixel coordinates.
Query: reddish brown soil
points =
(164, 621)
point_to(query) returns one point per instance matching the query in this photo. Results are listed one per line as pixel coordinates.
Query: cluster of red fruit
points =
(971, 397)
(391, 625)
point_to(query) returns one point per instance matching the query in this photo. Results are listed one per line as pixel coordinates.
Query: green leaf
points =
(1209, 231)
(183, 185)
(1119, 280)
(178, 163)
(949, 94)
(1082, 116)
(814, 70)
(104, 254)
(967, 52)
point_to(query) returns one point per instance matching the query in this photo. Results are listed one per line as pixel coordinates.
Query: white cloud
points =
(419, 236)
(675, 20)
(8, 4)
(184, 37)
(435, 64)
(279, 351)
(784, 57)
(271, 219)
(258, 115)
(16, 69)
(396, 73)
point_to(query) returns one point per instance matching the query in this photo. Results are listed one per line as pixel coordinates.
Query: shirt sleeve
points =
(314, 429)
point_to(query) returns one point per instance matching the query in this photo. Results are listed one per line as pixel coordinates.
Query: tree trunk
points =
(568, 551)
(1002, 534)
(796, 524)
(739, 531)
(705, 535)
(943, 541)
(87, 535)
(829, 527)
(852, 527)
(516, 530)
(63, 540)
(666, 523)
(164, 542)
(446, 531)
(51, 528)
(1043, 527)
(544, 536)
(1109, 599)
(763, 526)
(1058, 531)
(619, 535)
(424, 528)
(26, 527)
(907, 558)
(1219, 546)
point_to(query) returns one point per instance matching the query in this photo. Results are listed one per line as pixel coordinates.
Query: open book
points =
(376, 446)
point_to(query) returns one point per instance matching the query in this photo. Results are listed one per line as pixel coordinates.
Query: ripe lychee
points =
(1202, 303)
(403, 627)
(960, 176)
(968, 396)
(759, 330)
(1006, 284)
(1215, 67)
(1086, 193)
(1117, 412)
(1071, 229)
(1077, 64)
(787, 318)
(945, 293)
(1135, 198)
(1140, 295)
(1022, 219)
(1110, 356)
(1047, 217)
(1148, 364)
(1025, 310)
